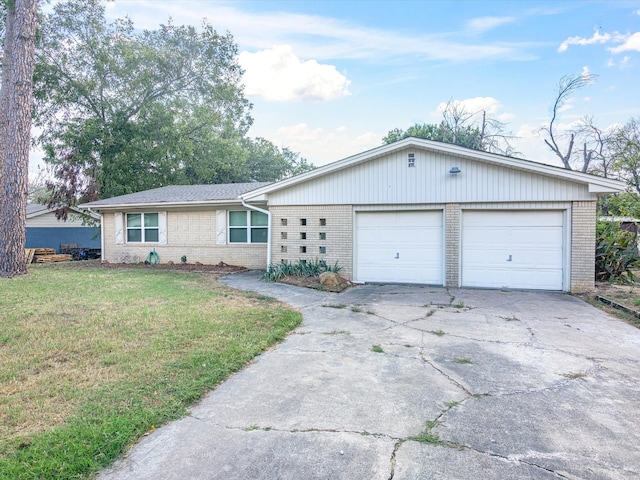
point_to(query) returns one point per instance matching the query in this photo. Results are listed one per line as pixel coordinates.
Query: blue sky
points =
(330, 78)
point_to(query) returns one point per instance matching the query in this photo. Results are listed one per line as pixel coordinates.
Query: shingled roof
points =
(180, 194)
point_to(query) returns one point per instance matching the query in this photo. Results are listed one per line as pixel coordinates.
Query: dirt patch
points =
(622, 294)
(314, 282)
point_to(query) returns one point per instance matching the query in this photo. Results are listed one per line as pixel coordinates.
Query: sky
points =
(329, 79)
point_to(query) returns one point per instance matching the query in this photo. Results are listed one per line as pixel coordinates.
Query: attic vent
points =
(411, 160)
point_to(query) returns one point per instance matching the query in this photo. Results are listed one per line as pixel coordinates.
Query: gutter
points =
(187, 203)
(268, 214)
(101, 234)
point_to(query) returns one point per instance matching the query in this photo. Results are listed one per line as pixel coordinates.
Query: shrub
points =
(616, 253)
(302, 268)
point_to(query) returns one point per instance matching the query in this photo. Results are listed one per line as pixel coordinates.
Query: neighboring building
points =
(414, 211)
(44, 230)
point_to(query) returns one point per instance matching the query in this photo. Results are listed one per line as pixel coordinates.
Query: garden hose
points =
(153, 258)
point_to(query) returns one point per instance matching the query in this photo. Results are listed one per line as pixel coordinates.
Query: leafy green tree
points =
(123, 111)
(467, 136)
(625, 153)
(460, 127)
(266, 162)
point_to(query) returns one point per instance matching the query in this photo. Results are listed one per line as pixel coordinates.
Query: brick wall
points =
(452, 244)
(583, 241)
(327, 234)
(188, 233)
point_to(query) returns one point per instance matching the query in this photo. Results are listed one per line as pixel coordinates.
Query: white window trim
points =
(162, 228)
(248, 227)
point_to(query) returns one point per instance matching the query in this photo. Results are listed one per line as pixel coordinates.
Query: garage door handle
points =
(509, 259)
(397, 255)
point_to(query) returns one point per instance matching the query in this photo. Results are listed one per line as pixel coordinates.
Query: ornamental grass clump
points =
(302, 268)
(616, 253)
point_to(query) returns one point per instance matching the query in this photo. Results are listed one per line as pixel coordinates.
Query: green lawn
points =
(92, 358)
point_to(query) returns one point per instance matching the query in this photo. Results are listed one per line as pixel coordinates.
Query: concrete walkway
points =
(465, 384)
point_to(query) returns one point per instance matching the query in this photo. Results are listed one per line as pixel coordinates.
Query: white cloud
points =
(628, 42)
(631, 43)
(316, 36)
(279, 75)
(321, 146)
(483, 24)
(596, 38)
(530, 144)
(477, 105)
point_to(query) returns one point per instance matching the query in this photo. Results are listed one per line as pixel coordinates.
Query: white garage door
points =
(513, 249)
(404, 247)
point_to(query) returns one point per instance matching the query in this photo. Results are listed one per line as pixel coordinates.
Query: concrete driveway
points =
(405, 382)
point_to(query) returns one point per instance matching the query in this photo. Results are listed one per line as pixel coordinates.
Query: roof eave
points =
(121, 206)
(73, 210)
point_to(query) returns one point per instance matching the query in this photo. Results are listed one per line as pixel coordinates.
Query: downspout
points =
(268, 214)
(101, 234)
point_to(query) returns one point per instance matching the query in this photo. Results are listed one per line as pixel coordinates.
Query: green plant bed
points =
(305, 274)
(92, 358)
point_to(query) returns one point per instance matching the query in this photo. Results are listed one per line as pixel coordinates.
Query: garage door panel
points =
(513, 249)
(399, 247)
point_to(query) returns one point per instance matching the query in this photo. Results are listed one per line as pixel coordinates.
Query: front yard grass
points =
(92, 358)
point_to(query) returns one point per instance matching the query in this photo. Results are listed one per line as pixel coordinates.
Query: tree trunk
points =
(17, 142)
(4, 86)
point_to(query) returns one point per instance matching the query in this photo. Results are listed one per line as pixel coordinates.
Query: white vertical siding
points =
(388, 180)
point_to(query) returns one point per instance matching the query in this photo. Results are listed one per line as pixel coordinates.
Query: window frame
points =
(142, 228)
(249, 227)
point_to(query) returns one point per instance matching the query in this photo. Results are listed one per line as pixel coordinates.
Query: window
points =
(303, 221)
(303, 235)
(303, 249)
(411, 160)
(323, 222)
(283, 235)
(323, 235)
(283, 222)
(323, 249)
(142, 227)
(248, 227)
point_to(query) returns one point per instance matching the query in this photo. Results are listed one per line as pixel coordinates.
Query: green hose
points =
(153, 258)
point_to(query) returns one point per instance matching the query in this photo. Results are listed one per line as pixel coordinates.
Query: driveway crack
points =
(519, 460)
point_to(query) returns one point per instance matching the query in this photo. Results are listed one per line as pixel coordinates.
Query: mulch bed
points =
(180, 267)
